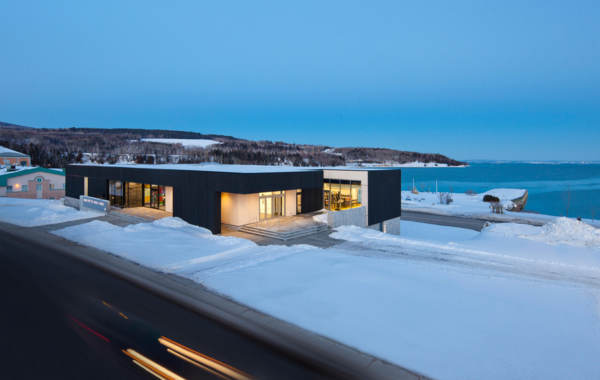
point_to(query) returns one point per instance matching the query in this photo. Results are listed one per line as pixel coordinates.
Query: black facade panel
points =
(73, 185)
(384, 195)
(312, 199)
(98, 187)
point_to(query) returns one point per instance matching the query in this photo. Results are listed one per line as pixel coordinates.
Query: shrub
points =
(491, 198)
(445, 198)
(470, 192)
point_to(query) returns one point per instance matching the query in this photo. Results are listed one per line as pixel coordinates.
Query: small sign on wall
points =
(92, 203)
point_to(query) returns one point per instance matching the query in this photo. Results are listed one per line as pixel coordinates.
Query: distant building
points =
(28, 182)
(10, 157)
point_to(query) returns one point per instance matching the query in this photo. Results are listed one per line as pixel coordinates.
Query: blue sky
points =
(470, 79)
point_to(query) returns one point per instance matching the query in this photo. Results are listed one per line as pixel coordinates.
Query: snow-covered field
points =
(462, 204)
(187, 143)
(38, 212)
(509, 302)
(473, 206)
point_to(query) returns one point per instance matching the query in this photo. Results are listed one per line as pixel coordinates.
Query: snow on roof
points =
(187, 143)
(506, 194)
(5, 152)
(213, 167)
(359, 168)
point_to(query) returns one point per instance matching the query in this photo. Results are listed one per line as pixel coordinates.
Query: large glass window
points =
(134, 194)
(339, 194)
(115, 193)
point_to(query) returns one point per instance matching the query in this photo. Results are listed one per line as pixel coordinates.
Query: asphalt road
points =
(443, 220)
(62, 318)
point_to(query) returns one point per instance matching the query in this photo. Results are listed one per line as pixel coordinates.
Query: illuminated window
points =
(339, 194)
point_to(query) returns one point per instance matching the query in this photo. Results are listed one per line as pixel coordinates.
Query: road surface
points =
(63, 318)
(444, 220)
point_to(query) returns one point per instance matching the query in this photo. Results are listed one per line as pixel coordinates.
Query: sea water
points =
(563, 189)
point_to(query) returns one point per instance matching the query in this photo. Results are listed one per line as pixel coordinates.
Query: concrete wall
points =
(239, 209)
(72, 202)
(290, 202)
(392, 226)
(351, 217)
(169, 199)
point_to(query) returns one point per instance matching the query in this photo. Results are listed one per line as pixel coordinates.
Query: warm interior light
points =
(204, 360)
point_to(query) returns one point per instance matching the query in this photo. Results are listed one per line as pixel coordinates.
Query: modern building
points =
(32, 182)
(9, 157)
(212, 195)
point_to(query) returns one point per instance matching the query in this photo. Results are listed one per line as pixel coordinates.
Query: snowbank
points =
(559, 231)
(433, 299)
(38, 212)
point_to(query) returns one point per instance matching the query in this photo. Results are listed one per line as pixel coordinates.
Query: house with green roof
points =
(32, 182)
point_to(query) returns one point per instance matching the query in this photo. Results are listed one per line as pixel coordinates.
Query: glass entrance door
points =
(271, 204)
(154, 196)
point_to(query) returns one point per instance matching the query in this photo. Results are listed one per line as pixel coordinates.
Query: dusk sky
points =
(469, 79)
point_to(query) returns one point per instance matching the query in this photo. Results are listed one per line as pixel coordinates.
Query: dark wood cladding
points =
(197, 194)
(385, 197)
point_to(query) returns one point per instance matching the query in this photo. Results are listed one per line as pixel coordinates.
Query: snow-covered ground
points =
(462, 204)
(473, 206)
(187, 143)
(38, 212)
(396, 164)
(513, 301)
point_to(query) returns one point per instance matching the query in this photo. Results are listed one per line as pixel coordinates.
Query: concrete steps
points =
(285, 235)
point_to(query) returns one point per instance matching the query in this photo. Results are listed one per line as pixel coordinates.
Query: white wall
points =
(239, 209)
(169, 199)
(290, 202)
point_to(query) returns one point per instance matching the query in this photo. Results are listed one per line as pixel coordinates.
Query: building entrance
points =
(271, 204)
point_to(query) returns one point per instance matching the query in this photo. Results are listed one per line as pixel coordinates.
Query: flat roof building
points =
(210, 195)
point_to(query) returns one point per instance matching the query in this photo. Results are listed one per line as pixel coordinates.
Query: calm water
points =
(553, 188)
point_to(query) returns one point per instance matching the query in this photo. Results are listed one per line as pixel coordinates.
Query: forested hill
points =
(58, 147)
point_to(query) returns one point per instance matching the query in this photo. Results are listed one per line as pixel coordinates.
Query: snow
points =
(187, 143)
(38, 212)
(396, 164)
(559, 231)
(418, 164)
(213, 167)
(6, 150)
(5, 170)
(447, 302)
